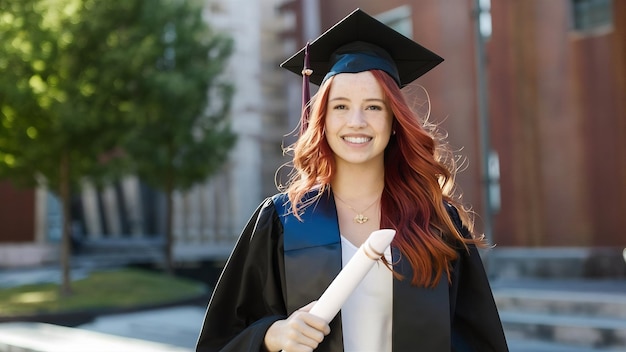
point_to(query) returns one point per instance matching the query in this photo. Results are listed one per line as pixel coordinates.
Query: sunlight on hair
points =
(418, 99)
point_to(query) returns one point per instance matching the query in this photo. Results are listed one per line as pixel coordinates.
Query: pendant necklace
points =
(359, 218)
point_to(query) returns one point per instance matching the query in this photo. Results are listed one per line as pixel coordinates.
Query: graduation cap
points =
(360, 43)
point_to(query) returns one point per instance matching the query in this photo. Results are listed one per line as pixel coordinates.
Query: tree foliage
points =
(90, 88)
(46, 95)
(182, 134)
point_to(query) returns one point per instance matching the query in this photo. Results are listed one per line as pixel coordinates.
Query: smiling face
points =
(358, 119)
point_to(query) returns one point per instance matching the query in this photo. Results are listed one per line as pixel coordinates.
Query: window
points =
(589, 15)
(398, 19)
(484, 18)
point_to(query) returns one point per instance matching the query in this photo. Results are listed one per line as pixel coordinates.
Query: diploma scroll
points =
(330, 302)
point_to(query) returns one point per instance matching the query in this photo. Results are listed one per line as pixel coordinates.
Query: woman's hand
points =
(300, 332)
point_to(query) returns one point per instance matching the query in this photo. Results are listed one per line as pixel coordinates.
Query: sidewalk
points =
(11, 277)
(177, 326)
(42, 337)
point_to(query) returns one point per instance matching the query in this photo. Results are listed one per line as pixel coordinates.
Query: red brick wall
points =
(17, 214)
(559, 128)
(557, 111)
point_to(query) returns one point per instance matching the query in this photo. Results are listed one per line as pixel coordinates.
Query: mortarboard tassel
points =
(306, 92)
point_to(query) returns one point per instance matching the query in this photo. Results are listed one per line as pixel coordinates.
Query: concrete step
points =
(572, 303)
(119, 245)
(556, 262)
(563, 316)
(574, 331)
(118, 251)
(524, 345)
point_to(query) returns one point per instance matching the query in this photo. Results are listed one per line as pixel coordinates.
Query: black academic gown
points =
(280, 264)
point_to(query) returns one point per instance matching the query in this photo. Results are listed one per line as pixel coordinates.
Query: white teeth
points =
(357, 140)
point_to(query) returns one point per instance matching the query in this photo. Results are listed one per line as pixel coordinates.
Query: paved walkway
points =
(36, 275)
(178, 326)
(42, 337)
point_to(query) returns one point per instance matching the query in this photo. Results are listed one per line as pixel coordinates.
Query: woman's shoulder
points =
(453, 212)
(275, 206)
(279, 198)
(283, 203)
(457, 220)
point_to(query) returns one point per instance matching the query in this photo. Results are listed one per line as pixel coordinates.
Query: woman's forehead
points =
(356, 84)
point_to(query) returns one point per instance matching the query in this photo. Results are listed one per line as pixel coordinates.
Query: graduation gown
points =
(280, 264)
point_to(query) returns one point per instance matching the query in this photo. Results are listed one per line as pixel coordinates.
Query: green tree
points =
(56, 123)
(183, 135)
(78, 76)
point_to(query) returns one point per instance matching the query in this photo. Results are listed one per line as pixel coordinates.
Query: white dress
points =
(367, 314)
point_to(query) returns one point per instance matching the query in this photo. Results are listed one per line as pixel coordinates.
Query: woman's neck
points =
(358, 184)
(357, 198)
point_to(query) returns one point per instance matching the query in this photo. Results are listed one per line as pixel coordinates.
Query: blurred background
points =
(146, 133)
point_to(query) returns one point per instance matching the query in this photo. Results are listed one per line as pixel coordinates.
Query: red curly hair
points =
(419, 181)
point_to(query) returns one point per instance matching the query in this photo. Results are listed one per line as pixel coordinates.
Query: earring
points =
(393, 133)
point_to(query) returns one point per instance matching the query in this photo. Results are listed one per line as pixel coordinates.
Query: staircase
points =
(564, 311)
(119, 251)
(557, 316)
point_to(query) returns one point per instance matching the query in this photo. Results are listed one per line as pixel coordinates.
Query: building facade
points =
(208, 218)
(557, 73)
(539, 84)
(554, 74)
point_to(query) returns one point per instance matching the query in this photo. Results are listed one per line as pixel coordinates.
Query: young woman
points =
(363, 162)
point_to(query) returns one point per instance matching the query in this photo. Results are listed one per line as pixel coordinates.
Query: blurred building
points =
(210, 217)
(207, 219)
(532, 97)
(556, 113)
(557, 77)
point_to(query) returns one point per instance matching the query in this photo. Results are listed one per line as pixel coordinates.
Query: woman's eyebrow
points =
(380, 100)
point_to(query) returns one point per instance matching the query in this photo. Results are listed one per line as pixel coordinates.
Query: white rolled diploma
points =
(331, 301)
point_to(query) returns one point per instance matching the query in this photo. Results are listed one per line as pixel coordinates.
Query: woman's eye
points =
(374, 107)
(340, 107)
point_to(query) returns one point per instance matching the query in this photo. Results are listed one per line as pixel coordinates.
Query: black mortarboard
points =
(359, 43)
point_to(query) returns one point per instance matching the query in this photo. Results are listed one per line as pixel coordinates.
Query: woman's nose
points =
(357, 119)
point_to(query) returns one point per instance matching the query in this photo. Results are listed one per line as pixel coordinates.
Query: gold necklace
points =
(359, 218)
